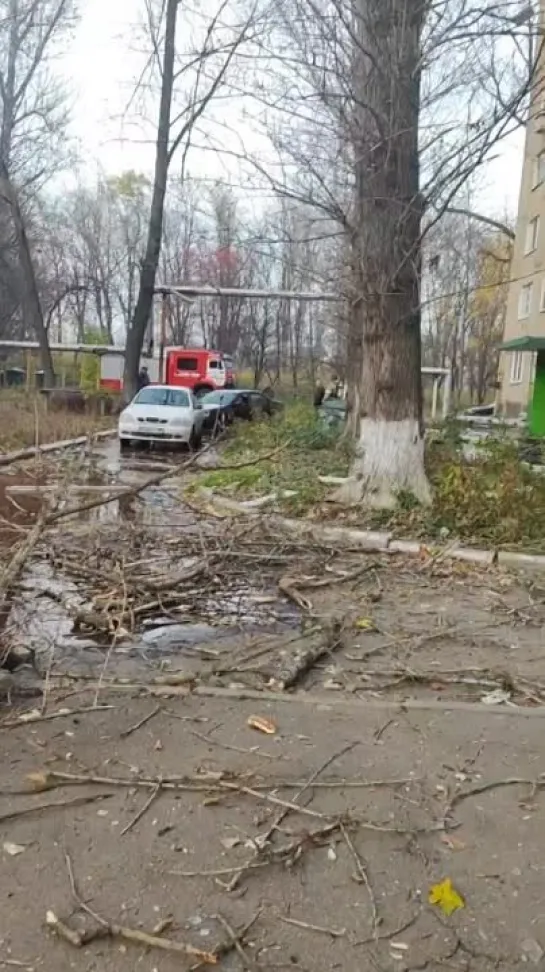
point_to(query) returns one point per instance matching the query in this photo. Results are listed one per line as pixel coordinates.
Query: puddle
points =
(204, 620)
(225, 619)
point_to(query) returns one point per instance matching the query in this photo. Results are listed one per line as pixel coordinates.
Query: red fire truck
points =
(200, 369)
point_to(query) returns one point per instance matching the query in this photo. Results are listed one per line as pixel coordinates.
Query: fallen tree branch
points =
(306, 656)
(538, 784)
(140, 813)
(59, 805)
(234, 939)
(363, 877)
(297, 923)
(111, 930)
(29, 452)
(133, 935)
(11, 572)
(36, 716)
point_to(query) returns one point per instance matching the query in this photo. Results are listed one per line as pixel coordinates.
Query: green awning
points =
(527, 343)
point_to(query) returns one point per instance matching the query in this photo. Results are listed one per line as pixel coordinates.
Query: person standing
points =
(319, 394)
(143, 378)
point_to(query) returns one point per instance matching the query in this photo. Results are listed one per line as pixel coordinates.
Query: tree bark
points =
(388, 210)
(148, 273)
(31, 297)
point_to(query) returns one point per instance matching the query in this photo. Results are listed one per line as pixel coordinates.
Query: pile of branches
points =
(122, 576)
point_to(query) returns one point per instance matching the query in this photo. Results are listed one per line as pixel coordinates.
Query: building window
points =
(539, 170)
(516, 368)
(532, 235)
(525, 301)
(542, 297)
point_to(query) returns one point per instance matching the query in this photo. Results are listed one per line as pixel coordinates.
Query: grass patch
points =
(306, 450)
(495, 501)
(24, 422)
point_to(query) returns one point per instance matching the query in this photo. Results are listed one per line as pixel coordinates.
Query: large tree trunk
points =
(388, 209)
(137, 328)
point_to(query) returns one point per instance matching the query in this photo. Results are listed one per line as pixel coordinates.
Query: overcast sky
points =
(102, 64)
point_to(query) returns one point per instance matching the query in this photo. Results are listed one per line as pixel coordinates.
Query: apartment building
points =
(525, 317)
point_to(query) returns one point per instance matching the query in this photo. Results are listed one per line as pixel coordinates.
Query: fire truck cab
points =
(199, 369)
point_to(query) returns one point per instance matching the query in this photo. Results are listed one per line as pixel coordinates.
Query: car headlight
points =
(127, 421)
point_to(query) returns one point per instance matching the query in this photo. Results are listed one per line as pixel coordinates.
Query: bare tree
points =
(203, 71)
(33, 118)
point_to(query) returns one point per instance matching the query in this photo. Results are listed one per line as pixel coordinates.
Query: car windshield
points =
(163, 396)
(218, 397)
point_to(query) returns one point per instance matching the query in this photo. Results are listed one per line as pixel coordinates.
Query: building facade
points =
(525, 316)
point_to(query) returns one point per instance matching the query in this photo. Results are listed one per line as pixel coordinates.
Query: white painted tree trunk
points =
(384, 331)
(389, 460)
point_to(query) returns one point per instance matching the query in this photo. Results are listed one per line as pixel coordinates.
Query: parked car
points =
(223, 407)
(161, 413)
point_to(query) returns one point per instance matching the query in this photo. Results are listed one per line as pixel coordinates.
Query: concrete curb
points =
(376, 542)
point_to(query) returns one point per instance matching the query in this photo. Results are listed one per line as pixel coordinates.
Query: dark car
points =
(223, 407)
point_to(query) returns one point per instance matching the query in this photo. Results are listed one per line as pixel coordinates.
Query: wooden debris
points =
(133, 935)
(363, 876)
(113, 930)
(304, 655)
(138, 816)
(14, 566)
(59, 805)
(141, 722)
(298, 923)
(235, 939)
(36, 716)
(62, 930)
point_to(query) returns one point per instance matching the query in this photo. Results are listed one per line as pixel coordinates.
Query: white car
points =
(162, 413)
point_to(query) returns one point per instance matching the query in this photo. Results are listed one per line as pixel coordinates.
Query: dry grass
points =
(25, 422)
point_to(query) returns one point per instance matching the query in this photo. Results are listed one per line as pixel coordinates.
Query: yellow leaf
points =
(364, 624)
(446, 897)
(41, 781)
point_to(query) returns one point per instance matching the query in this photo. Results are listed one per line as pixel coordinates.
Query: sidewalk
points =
(356, 863)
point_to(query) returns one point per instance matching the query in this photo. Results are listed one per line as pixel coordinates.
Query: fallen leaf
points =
(13, 849)
(364, 624)
(262, 725)
(446, 897)
(41, 781)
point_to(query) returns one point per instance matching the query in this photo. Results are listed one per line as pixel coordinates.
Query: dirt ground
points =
(137, 799)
